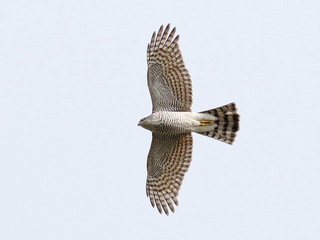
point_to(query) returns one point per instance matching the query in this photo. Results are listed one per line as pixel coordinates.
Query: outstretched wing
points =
(168, 160)
(169, 81)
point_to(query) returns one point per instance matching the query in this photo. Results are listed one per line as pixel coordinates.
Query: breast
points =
(173, 122)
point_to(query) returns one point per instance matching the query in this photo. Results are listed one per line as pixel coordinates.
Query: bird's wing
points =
(169, 81)
(168, 160)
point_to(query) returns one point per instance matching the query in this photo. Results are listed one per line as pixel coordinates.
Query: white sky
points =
(73, 88)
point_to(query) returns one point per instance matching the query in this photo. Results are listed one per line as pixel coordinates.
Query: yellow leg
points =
(206, 122)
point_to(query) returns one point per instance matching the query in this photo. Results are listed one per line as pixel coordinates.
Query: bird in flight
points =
(172, 121)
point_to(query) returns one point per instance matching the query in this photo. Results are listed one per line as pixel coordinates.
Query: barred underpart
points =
(228, 123)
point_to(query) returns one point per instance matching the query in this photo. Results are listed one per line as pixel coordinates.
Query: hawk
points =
(172, 121)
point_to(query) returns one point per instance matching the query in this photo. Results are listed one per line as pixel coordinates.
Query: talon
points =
(206, 122)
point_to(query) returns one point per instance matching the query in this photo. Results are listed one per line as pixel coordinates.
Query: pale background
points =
(73, 88)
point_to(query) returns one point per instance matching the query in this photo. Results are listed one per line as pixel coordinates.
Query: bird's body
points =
(172, 121)
(164, 122)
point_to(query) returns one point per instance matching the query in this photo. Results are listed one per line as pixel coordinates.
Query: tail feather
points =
(227, 123)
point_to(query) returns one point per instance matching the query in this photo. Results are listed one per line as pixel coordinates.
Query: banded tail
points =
(228, 123)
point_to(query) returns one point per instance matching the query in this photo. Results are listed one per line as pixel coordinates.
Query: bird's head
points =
(145, 123)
